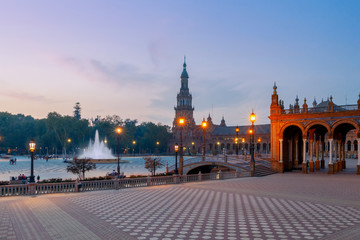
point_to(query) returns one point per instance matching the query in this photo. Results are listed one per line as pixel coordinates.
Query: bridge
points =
(240, 163)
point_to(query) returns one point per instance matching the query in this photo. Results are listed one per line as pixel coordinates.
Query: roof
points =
(184, 74)
(231, 130)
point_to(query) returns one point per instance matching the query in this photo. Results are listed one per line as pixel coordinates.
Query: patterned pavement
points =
(281, 206)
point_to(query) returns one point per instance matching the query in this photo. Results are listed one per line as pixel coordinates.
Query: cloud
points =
(23, 96)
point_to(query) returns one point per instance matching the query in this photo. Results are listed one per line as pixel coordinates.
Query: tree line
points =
(57, 134)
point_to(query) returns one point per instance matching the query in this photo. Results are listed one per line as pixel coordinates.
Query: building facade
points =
(301, 137)
(219, 138)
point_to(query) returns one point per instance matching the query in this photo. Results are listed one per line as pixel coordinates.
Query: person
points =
(114, 173)
(38, 178)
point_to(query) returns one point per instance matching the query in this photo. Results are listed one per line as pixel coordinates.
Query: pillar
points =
(291, 160)
(340, 146)
(330, 165)
(281, 162)
(311, 162)
(296, 163)
(322, 153)
(358, 152)
(344, 156)
(336, 165)
(317, 163)
(304, 164)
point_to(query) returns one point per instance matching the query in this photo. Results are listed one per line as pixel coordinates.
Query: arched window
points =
(355, 145)
(258, 147)
(348, 146)
(264, 147)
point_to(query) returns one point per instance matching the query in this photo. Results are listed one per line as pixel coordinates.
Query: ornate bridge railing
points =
(84, 186)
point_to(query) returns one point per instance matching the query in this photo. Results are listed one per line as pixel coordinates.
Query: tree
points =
(151, 164)
(77, 111)
(80, 166)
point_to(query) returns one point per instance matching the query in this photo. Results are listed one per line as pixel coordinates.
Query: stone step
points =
(261, 171)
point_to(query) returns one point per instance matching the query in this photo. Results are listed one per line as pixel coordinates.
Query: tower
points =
(184, 106)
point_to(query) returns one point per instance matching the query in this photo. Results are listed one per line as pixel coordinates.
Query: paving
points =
(280, 206)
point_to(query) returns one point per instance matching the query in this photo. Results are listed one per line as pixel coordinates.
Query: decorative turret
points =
(314, 102)
(305, 106)
(296, 106)
(331, 104)
(222, 124)
(275, 107)
(209, 120)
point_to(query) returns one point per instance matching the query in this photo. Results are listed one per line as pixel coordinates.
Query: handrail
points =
(68, 187)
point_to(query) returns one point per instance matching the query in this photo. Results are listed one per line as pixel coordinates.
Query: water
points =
(97, 150)
(56, 168)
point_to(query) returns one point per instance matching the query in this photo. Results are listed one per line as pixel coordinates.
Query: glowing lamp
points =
(252, 117)
(32, 146)
(176, 147)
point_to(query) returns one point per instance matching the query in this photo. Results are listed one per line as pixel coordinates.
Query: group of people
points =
(12, 161)
(22, 177)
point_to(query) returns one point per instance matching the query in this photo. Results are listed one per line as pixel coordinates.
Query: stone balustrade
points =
(77, 186)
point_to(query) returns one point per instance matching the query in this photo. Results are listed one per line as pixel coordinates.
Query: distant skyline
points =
(125, 57)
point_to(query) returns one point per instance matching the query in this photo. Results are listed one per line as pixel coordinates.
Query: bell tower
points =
(184, 106)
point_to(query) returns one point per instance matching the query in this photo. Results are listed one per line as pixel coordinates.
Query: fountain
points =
(98, 152)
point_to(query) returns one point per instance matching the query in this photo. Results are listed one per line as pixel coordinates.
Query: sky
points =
(125, 57)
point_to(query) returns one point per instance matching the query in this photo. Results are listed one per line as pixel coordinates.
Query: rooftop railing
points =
(341, 108)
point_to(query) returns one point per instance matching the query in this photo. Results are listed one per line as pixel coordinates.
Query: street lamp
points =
(252, 136)
(176, 147)
(237, 137)
(32, 146)
(134, 142)
(203, 125)
(118, 131)
(181, 160)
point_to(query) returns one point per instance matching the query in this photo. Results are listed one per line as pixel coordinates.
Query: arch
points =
(283, 128)
(344, 121)
(318, 122)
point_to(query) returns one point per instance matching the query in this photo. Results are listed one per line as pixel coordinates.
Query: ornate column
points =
(336, 165)
(340, 149)
(281, 162)
(358, 152)
(304, 164)
(296, 163)
(344, 156)
(311, 162)
(331, 165)
(322, 153)
(317, 163)
(291, 160)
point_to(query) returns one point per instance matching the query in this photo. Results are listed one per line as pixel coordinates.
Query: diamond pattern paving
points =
(286, 206)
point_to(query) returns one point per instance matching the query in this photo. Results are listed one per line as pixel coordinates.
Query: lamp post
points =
(157, 147)
(181, 159)
(32, 146)
(203, 125)
(134, 143)
(69, 141)
(237, 139)
(118, 131)
(252, 136)
(176, 147)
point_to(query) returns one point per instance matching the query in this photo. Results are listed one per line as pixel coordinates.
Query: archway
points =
(292, 148)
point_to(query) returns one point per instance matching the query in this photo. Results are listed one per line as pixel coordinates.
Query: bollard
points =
(116, 183)
(148, 180)
(76, 185)
(220, 175)
(199, 176)
(32, 188)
